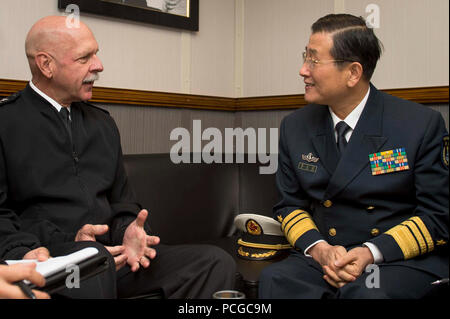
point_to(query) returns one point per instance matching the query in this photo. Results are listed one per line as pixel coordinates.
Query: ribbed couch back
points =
(197, 202)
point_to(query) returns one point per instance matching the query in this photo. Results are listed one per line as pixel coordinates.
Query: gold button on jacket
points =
(332, 232)
(328, 203)
(375, 232)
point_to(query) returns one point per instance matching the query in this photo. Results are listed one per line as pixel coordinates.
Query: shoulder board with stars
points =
(9, 99)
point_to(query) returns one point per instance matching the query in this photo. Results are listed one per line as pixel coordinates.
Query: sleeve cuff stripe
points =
(412, 237)
(300, 228)
(291, 217)
(414, 233)
(295, 222)
(424, 231)
(424, 244)
(418, 234)
(405, 241)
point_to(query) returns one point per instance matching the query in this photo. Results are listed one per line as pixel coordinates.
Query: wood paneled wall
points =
(424, 95)
(146, 119)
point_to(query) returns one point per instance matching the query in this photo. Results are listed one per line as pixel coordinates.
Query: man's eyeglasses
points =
(311, 62)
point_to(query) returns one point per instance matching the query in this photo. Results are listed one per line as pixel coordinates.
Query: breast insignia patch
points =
(310, 158)
(307, 167)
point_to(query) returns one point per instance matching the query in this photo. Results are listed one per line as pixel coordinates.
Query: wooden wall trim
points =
(424, 95)
(161, 99)
(142, 98)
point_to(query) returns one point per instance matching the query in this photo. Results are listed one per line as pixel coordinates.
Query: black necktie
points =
(341, 129)
(65, 115)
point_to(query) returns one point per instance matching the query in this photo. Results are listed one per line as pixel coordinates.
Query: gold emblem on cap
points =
(253, 227)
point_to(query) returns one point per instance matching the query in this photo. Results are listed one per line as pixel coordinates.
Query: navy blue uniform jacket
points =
(405, 213)
(49, 187)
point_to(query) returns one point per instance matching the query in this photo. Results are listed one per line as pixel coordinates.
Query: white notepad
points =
(57, 264)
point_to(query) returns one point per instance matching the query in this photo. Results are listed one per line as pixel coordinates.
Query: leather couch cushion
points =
(188, 203)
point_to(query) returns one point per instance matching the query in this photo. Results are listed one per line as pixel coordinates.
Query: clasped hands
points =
(136, 248)
(339, 265)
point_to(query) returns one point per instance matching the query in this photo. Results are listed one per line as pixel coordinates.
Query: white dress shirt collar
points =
(351, 119)
(47, 98)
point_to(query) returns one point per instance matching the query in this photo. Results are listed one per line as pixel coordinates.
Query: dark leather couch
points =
(197, 203)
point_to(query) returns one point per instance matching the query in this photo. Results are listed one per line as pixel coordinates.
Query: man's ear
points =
(44, 62)
(355, 74)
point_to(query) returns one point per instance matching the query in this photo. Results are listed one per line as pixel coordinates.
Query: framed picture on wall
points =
(181, 14)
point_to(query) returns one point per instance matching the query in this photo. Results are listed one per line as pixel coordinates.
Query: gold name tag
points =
(307, 167)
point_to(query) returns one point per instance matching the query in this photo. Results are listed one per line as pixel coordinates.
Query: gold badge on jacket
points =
(310, 158)
(389, 161)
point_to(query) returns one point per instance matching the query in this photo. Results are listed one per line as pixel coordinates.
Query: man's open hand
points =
(88, 233)
(138, 244)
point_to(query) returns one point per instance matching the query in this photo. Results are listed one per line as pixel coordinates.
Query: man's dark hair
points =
(353, 40)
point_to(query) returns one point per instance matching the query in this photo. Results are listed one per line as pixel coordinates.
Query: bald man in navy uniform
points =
(63, 184)
(363, 178)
